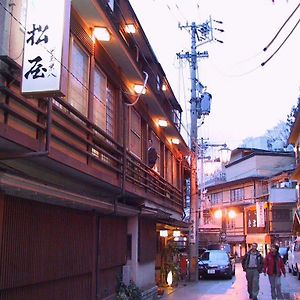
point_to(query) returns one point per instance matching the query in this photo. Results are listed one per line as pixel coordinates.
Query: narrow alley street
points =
(234, 289)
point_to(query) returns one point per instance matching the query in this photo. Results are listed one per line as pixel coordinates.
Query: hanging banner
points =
(46, 47)
(260, 214)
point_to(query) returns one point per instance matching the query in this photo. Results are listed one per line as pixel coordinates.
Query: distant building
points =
(257, 201)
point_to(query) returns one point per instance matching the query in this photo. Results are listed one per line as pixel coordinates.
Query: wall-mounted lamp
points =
(231, 214)
(175, 141)
(218, 214)
(130, 28)
(101, 34)
(139, 89)
(163, 233)
(162, 123)
(164, 87)
(176, 233)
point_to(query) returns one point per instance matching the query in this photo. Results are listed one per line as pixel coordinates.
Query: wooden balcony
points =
(52, 129)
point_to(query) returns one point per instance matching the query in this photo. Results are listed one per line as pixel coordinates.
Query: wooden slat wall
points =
(112, 253)
(46, 252)
(147, 240)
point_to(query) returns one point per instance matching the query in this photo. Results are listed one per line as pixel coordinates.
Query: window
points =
(216, 198)
(135, 133)
(283, 215)
(169, 163)
(78, 78)
(99, 108)
(236, 195)
(110, 109)
(156, 146)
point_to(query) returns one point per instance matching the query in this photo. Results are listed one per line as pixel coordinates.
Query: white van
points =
(294, 258)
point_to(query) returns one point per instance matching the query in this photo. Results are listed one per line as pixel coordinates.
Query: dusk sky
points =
(247, 99)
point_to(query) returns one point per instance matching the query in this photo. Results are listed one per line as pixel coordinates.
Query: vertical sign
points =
(260, 214)
(45, 46)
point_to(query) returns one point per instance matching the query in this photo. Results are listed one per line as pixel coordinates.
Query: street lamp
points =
(225, 153)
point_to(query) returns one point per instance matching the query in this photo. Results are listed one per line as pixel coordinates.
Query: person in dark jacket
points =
(274, 267)
(252, 264)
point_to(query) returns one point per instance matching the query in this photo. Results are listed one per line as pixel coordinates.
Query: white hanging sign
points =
(45, 46)
(260, 214)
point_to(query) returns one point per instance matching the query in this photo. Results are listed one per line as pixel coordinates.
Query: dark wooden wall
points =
(51, 252)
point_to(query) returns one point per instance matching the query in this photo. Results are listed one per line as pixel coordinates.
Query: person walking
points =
(274, 267)
(252, 264)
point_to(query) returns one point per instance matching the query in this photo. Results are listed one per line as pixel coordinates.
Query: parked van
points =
(294, 258)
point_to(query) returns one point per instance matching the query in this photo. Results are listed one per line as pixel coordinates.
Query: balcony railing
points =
(54, 124)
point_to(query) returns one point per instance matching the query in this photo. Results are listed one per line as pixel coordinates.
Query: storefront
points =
(262, 240)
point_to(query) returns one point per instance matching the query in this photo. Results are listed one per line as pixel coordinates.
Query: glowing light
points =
(231, 214)
(163, 233)
(139, 89)
(162, 123)
(164, 87)
(130, 28)
(170, 278)
(101, 34)
(176, 233)
(218, 214)
(175, 141)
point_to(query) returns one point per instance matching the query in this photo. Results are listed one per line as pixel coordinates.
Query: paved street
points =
(235, 289)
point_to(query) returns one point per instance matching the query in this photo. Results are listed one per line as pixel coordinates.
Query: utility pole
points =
(200, 105)
(194, 203)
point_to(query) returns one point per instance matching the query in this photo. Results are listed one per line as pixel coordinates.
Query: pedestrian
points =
(252, 264)
(274, 267)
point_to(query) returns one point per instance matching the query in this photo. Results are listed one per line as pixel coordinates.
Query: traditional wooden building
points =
(81, 195)
(257, 201)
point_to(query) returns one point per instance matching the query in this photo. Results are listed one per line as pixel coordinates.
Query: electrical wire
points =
(263, 63)
(266, 48)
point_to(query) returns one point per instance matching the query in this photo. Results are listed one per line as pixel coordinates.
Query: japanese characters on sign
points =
(45, 46)
(260, 214)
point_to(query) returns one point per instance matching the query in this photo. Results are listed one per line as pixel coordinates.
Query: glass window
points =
(99, 108)
(135, 133)
(78, 78)
(236, 195)
(110, 109)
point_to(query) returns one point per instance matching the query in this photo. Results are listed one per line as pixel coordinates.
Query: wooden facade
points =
(75, 182)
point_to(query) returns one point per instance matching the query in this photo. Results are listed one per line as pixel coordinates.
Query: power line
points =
(262, 64)
(266, 48)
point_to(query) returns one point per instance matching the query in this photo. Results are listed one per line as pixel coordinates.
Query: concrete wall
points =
(260, 165)
(142, 274)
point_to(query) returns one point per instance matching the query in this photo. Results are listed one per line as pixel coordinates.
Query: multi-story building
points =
(256, 202)
(87, 174)
(294, 139)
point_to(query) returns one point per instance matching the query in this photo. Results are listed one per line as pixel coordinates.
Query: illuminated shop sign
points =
(46, 47)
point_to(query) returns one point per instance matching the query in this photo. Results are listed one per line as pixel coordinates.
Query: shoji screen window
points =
(156, 145)
(135, 133)
(110, 109)
(99, 109)
(78, 77)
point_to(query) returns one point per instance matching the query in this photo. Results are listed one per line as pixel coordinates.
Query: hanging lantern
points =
(170, 278)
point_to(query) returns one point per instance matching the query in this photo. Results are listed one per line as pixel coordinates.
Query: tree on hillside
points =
(275, 138)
